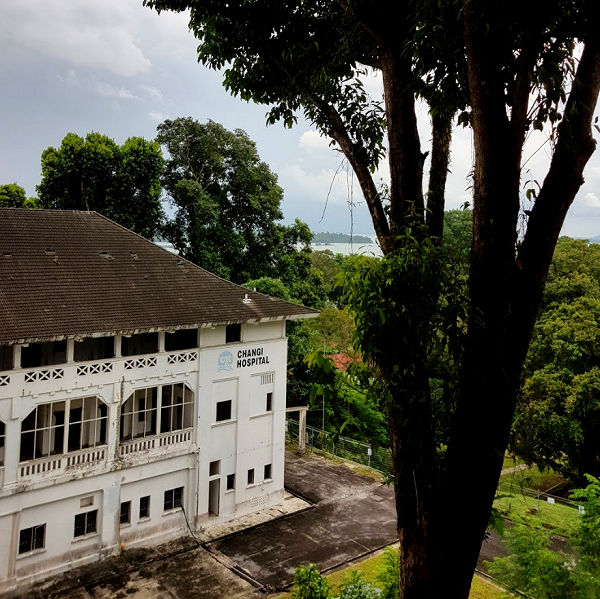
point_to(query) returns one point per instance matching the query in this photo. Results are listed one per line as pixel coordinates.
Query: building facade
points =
(140, 396)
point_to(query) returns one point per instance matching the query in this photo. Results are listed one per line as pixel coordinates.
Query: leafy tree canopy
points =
(95, 173)
(13, 196)
(558, 417)
(227, 202)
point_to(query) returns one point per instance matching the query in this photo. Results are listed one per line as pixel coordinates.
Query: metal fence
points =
(379, 459)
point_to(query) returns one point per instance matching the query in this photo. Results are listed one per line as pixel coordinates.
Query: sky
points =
(116, 67)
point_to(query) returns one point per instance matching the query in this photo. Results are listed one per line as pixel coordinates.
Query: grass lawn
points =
(371, 567)
(560, 518)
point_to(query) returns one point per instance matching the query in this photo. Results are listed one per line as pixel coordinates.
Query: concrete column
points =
(161, 342)
(11, 450)
(302, 431)
(110, 512)
(17, 357)
(118, 346)
(70, 350)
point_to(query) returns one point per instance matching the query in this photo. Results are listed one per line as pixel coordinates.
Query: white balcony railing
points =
(182, 358)
(44, 374)
(73, 375)
(146, 444)
(62, 463)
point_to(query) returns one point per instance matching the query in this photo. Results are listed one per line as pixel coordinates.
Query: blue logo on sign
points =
(225, 361)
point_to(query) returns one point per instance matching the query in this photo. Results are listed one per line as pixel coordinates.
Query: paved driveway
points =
(355, 515)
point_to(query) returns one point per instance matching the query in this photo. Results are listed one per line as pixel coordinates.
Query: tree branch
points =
(522, 88)
(355, 154)
(574, 147)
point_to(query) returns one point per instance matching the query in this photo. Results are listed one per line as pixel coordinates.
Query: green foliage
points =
(534, 569)
(334, 330)
(587, 539)
(559, 410)
(330, 267)
(355, 587)
(388, 579)
(121, 182)
(348, 409)
(309, 584)
(410, 324)
(458, 230)
(12, 196)
(227, 206)
(269, 286)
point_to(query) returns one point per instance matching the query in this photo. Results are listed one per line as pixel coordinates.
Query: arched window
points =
(163, 409)
(43, 432)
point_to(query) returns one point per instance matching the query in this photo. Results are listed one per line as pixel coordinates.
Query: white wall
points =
(243, 372)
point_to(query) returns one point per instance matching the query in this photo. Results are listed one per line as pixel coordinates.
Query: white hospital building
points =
(135, 389)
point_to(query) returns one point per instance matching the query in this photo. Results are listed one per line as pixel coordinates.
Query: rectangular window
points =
(269, 407)
(177, 408)
(233, 333)
(139, 414)
(230, 482)
(182, 339)
(94, 348)
(85, 524)
(46, 353)
(214, 468)
(125, 516)
(173, 499)
(268, 472)
(145, 507)
(223, 410)
(251, 476)
(32, 538)
(6, 357)
(137, 345)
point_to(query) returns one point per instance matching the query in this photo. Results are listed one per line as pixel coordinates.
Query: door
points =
(214, 494)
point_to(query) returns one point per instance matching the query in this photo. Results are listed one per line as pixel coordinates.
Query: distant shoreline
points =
(324, 238)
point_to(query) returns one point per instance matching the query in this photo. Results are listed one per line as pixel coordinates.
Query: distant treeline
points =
(340, 238)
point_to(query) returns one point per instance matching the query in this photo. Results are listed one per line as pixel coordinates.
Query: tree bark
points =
(438, 173)
(505, 291)
(404, 147)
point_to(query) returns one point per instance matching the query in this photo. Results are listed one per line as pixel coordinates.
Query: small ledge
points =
(224, 422)
(31, 553)
(261, 415)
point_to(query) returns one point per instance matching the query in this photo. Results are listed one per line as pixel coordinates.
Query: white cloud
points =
(312, 141)
(316, 186)
(158, 117)
(85, 34)
(591, 200)
(153, 92)
(110, 91)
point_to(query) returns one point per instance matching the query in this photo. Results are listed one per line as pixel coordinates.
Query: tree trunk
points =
(438, 173)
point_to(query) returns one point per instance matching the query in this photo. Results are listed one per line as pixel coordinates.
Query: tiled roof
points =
(65, 274)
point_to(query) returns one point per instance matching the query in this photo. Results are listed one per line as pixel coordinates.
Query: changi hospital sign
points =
(244, 358)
